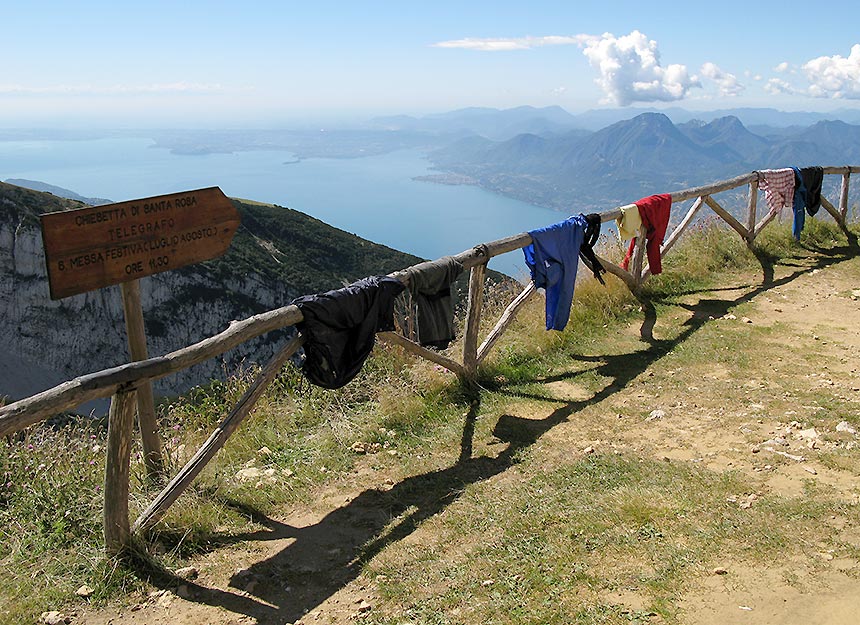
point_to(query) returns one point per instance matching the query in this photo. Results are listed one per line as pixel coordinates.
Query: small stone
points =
(84, 591)
(54, 618)
(720, 571)
(655, 414)
(730, 317)
(810, 470)
(187, 572)
(809, 434)
(249, 474)
(815, 337)
(364, 606)
(588, 450)
(264, 451)
(488, 582)
(844, 426)
(359, 447)
(746, 320)
(755, 449)
(288, 472)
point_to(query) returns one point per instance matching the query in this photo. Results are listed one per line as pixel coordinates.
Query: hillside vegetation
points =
(593, 478)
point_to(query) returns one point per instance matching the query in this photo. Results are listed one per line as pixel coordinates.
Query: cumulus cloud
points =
(512, 43)
(835, 76)
(628, 67)
(727, 83)
(778, 86)
(630, 71)
(782, 67)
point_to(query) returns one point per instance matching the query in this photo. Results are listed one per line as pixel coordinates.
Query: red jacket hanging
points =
(654, 211)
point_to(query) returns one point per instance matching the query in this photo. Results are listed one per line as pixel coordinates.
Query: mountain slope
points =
(277, 255)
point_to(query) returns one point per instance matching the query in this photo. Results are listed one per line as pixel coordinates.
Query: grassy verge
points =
(553, 545)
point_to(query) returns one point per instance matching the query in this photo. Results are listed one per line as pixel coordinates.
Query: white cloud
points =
(835, 76)
(630, 70)
(628, 67)
(513, 43)
(778, 86)
(83, 89)
(728, 83)
(782, 67)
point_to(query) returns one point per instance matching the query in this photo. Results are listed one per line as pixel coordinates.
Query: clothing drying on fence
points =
(807, 195)
(654, 211)
(340, 328)
(778, 187)
(553, 259)
(586, 250)
(430, 286)
(629, 222)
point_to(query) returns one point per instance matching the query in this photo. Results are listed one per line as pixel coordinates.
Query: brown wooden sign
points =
(93, 247)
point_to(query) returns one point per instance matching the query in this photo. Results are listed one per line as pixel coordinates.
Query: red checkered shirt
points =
(778, 187)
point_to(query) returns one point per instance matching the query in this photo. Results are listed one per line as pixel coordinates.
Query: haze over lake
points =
(374, 197)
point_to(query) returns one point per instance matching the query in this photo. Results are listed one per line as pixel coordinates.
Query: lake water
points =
(374, 197)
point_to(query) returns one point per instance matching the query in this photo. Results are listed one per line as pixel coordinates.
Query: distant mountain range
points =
(36, 185)
(644, 155)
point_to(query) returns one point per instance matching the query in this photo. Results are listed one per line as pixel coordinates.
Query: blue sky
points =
(273, 63)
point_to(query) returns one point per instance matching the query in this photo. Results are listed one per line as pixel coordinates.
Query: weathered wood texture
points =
(833, 211)
(217, 439)
(752, 208)
(843, 195)
(93, 247)
(507, 318)
(473, 319)
(726, 216)
(423, 352)
(118, 453)
(638, 256)
(134, 327)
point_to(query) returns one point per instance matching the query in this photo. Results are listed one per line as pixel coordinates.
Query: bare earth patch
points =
(761, 382)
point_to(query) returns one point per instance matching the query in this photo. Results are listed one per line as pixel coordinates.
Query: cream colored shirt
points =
(629, 222)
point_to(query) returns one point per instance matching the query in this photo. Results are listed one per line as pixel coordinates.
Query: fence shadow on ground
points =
(325, 556)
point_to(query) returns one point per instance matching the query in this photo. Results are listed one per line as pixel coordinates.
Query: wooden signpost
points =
(98, 246)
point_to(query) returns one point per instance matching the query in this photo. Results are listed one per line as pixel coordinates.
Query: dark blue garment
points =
(553, 259)
(798, 205)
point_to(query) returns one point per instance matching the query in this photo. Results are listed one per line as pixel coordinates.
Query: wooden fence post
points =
(145, 402)
(473, 320)
(120, 424)
(752, 206)
(638, 256)
(843, 196)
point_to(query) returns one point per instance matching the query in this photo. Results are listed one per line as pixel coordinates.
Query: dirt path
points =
(306, 566)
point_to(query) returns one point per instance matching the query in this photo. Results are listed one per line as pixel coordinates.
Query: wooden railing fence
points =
(123, 382)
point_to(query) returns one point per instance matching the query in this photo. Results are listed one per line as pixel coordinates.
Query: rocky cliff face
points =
(44, 342)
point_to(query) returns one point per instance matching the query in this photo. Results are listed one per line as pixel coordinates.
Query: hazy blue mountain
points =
(823, 143)
(726, 138)
(497, 124)
(36, 185)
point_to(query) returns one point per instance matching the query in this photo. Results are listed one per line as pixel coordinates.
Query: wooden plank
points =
(118, 454)
(145, 402)
(473, 319)
(752, 207)
(766, 220)
(618, 272)
(832, 210)
(715, 187)
(423, 352)
(94, 247)
(218, 438)
(843, 195)
(676, 233)
(505, 320)
(727, 217)
(65, 396)
(638, 256)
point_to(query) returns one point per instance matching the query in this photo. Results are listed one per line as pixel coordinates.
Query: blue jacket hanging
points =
(553, 259)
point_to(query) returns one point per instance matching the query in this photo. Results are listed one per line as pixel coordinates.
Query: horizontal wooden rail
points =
(105, 383)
